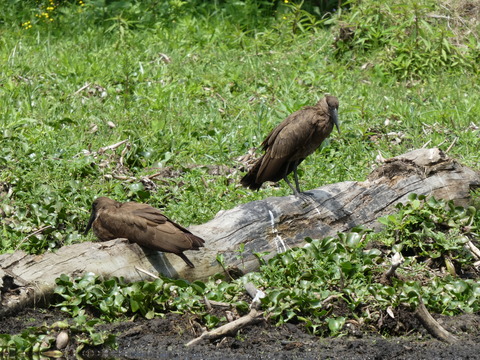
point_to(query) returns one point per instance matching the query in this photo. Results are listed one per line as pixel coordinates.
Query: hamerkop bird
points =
(291, 142)
(141, 224)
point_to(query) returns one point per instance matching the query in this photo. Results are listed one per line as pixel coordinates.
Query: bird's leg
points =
(295, 191)
(299, 193)
(295, 175)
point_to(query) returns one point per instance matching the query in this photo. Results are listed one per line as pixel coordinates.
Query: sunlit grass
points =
(201, 92)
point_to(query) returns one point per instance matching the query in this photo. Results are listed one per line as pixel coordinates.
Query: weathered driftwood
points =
(229, 329)
(432, 325)
(271, 225)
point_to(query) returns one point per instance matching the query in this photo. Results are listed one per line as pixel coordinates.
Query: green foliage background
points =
(193, 85)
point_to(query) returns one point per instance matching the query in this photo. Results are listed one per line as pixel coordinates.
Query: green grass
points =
(191, 85)
(225, 87)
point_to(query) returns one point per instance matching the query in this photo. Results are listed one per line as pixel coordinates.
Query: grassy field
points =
(196, 87)
(156, 101)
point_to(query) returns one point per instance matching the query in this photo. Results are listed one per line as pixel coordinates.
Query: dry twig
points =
(474, 250)
(81, 89)
(254, 316)
(397, 260)
(146, 272)
(231, 328)
(451, 145)
(39, 231)
(432, 325)
(111, 147)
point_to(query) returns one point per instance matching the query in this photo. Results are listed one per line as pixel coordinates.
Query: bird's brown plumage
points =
(291, 142)
(141, 224)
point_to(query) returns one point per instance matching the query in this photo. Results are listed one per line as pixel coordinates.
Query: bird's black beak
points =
(90, 221)
(335, 119)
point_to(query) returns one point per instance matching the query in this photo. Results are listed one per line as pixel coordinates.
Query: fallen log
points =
(270, 225)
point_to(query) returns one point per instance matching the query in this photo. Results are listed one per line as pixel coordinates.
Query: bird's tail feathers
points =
(197, 242)
(250, 179)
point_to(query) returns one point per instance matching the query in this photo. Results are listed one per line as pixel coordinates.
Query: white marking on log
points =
(279, 243)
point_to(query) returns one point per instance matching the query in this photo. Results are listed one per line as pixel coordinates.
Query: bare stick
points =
(231, 328)
(111, 147)
(475, 251)
(441, 143)
(330, 298)
(451, 145)
(32, 234)
(432, 325)
(122, 155)
(396, 260)
(82, 88)
(253, 291)
(219, 304)
(146, 272)
(154, 175)
(426, 144)
(207, 303)
(122, 177)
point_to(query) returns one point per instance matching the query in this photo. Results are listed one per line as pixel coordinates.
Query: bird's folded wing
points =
(170, 238)
(291, 138)
(141, 230)
(123, 224)
(151, 214)
(155, 216)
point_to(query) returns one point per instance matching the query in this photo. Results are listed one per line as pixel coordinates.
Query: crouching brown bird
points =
(291, 142)
(141, 224)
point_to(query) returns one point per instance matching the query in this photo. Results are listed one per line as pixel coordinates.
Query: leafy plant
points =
(405, 39)
(315, 284)
(40, 341)
(113, 298)
(299, 19)
(430, 228)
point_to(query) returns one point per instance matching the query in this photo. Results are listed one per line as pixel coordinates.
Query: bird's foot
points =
(306, 197)
(307, 193)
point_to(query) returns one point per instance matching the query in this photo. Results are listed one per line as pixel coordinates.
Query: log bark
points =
(270, 225)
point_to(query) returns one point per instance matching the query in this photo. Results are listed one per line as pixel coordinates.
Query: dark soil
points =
(165, 338)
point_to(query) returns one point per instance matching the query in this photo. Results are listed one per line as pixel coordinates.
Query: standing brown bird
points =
(291, 142)
(141, 224)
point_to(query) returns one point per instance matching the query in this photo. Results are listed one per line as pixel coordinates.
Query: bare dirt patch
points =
(165, 338)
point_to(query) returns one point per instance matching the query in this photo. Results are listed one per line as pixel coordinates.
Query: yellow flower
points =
(285, 1)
